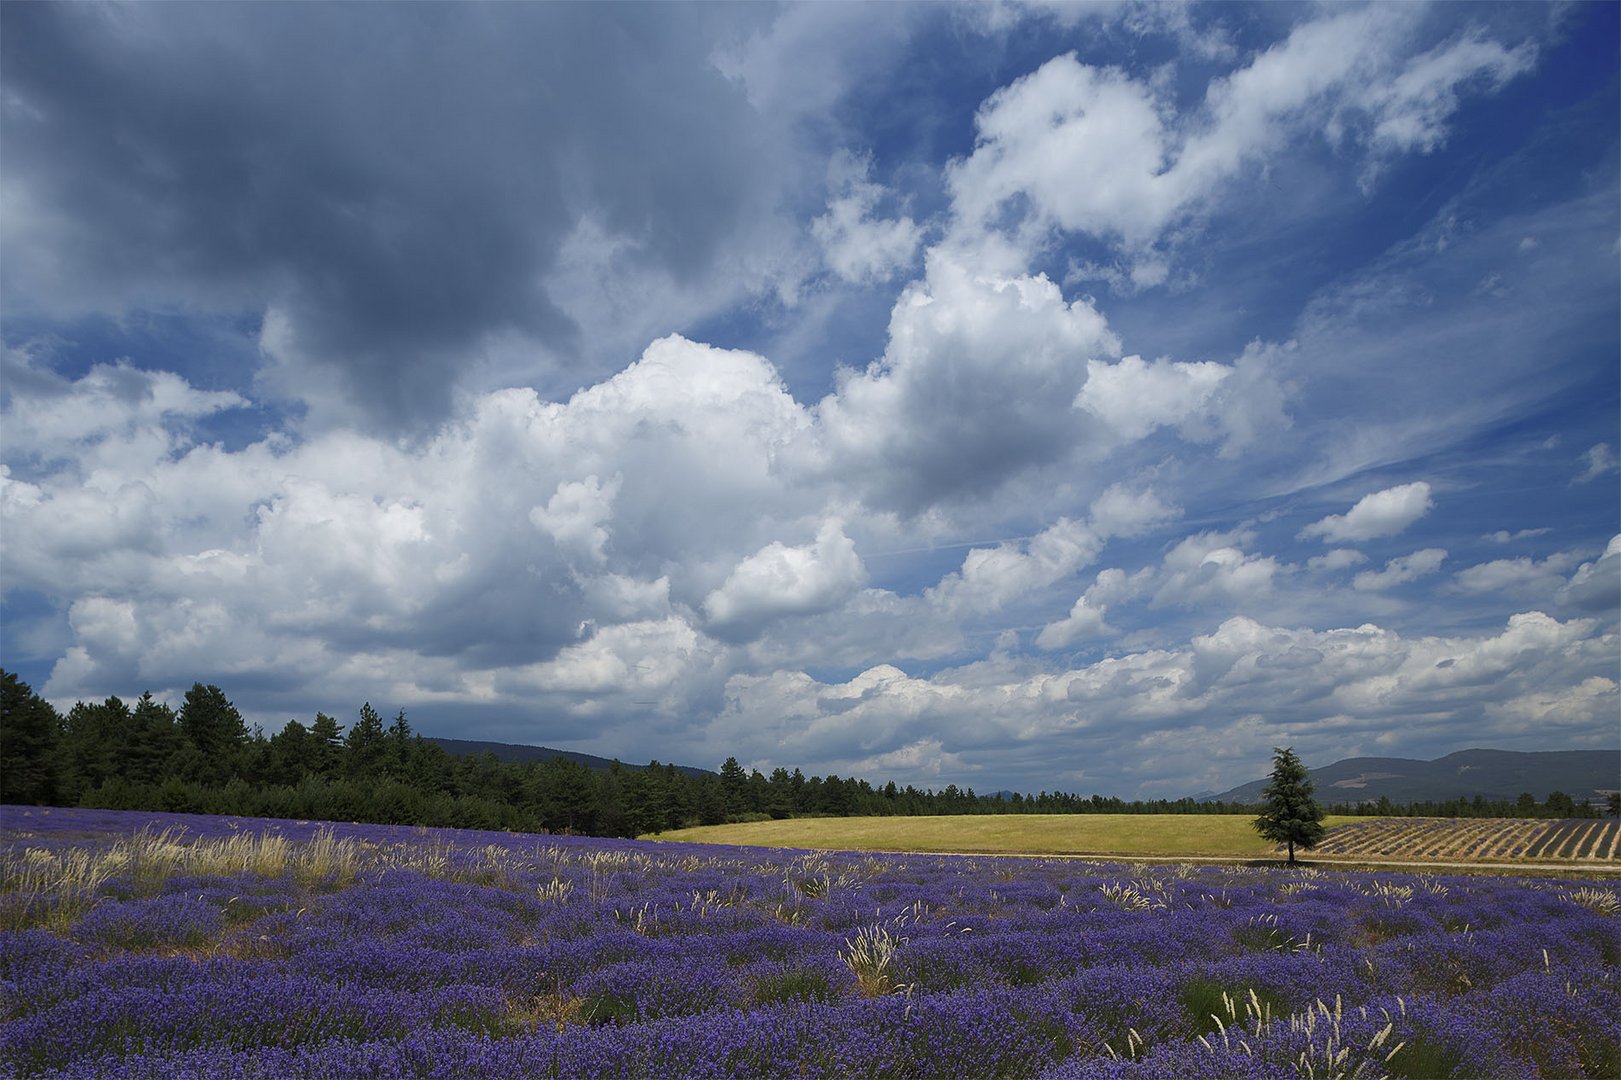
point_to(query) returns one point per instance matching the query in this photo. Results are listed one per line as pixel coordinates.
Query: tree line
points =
(1557, 805)
(203, 758)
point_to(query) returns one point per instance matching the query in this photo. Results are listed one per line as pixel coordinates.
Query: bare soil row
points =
(1476, 840)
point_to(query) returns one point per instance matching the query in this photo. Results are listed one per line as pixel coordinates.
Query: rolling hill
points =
(520, 753)
(1493, 774)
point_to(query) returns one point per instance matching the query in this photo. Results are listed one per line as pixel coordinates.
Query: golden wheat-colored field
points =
(1595, 844)
(1150, 835)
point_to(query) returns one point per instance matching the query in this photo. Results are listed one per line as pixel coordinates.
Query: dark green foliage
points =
(780, 800)
(607, 1008)
(214, 730)
(1260, 938)
(327, 738)
(645, 801)
(1561, 805)
(734, 784)
(565, 796)
(1424, 1059)
(294, 753)
(153, 741)
(29, 732)
(1526, 806)
(1210, 1005)
(1289, 814)
(787, 985)
(709, 805)
(91, 749)
(365, 746)
(1599, 1054)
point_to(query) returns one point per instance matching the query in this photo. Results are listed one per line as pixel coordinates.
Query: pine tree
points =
(154, 742)
(365, 746)
(734, 783)
(93, 746)
(399, 747)
(326, 736)
(293, 754)
(29, 732)
(214, 729)
(1289, 814)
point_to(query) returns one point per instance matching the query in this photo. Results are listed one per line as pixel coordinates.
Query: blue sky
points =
(1016, 395)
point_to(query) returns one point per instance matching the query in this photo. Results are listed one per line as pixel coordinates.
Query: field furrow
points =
(1474, 839)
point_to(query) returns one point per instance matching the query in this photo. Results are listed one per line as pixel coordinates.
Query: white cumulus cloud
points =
(1596, 585)
(1400, 570)
(779, 580)
(857, 245)
(1081, 148)
(1383, 513)
(1190, 707)
(1213, 569)
(1135, 397)
(1083, 621)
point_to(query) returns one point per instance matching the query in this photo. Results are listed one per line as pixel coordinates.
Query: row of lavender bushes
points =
(142, 945)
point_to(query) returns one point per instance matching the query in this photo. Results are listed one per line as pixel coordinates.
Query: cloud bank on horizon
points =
(1015, 396)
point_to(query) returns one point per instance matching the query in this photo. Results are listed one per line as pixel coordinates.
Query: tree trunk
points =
(1291, 853)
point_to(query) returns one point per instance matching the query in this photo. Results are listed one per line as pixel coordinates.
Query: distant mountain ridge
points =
(1496, 775)
(522, 753)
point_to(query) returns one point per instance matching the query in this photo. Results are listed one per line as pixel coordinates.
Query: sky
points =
(1015, 396)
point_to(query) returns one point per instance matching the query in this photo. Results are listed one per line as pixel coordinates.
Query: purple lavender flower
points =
(465, 953)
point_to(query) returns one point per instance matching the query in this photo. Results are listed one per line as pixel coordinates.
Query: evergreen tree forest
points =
(203, 758)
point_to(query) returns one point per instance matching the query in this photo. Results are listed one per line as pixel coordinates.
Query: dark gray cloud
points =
(395, 179)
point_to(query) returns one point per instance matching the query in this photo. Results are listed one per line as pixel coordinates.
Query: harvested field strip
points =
(1572, 838)
(1498, 844)
(1540, 847)
(1485, 836)
(1587, 842)
(1518, 838)
(1460, 841)
(1496, 839)
(1427, 840)
(1605, 846)
(1588, 838)
(1604, 841)
(1378, 839)
(1445, 842)
(1549, 842)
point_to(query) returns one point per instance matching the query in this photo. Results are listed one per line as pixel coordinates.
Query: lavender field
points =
(144, 945)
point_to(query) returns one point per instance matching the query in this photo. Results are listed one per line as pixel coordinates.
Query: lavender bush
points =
(144, 945)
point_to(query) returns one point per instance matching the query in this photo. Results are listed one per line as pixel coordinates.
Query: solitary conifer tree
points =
(1289, 814)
